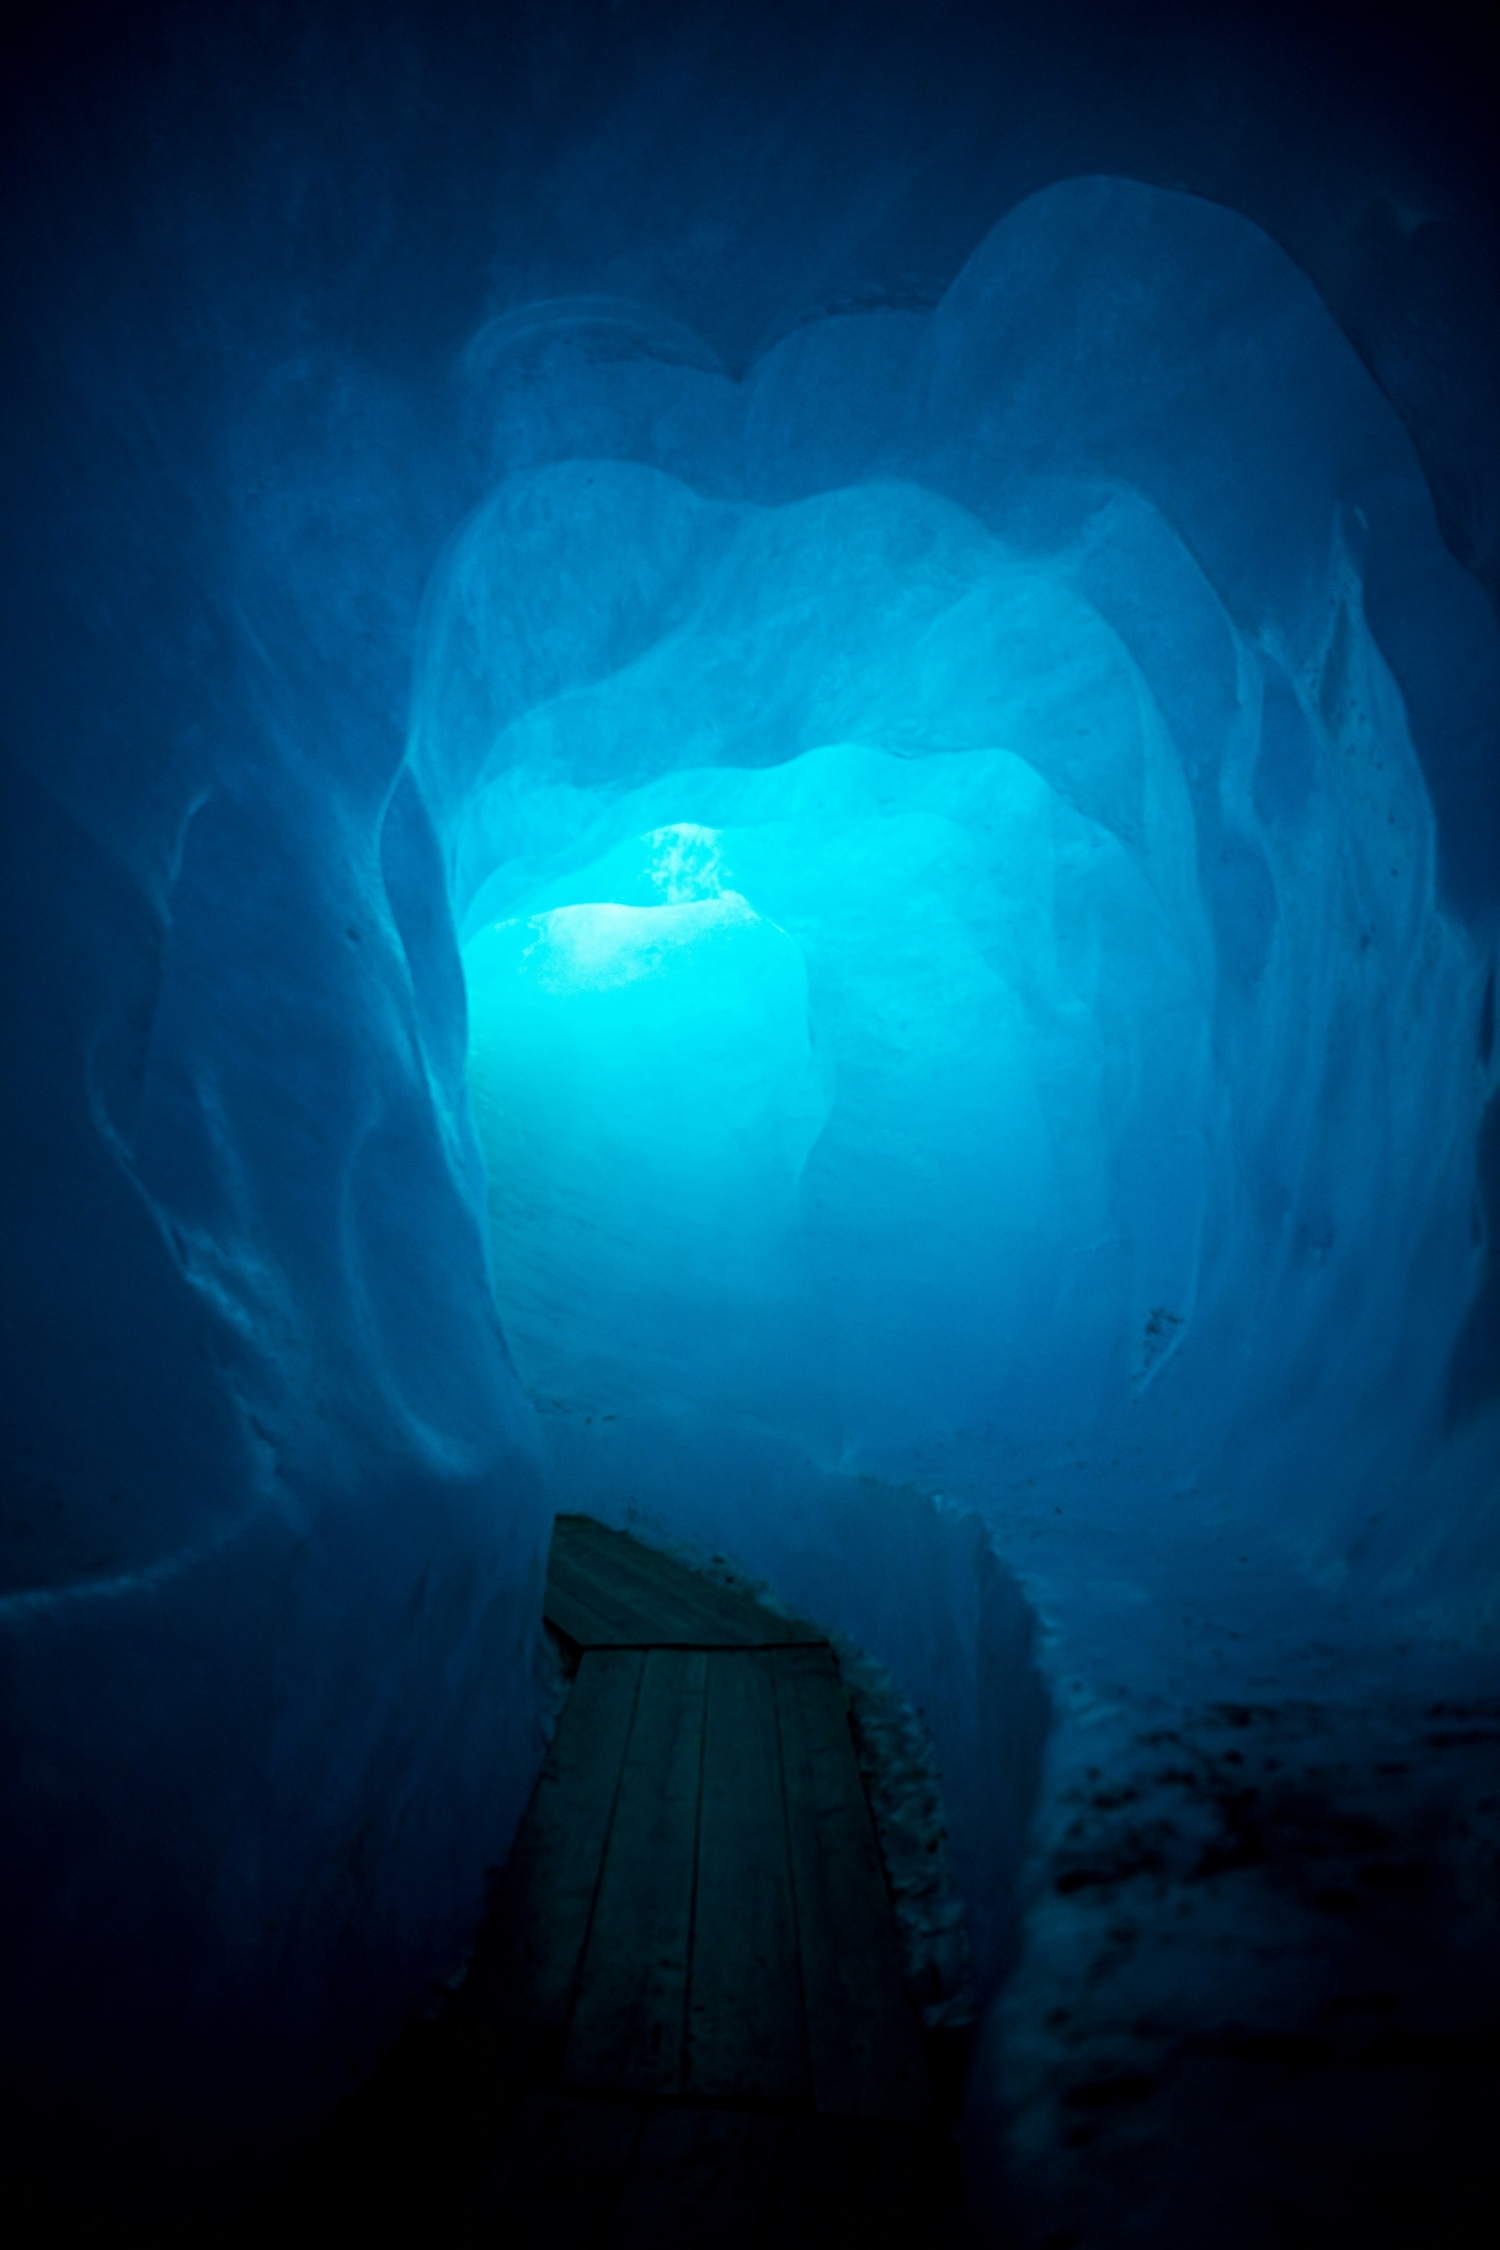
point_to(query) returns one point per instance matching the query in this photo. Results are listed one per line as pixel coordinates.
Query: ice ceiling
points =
(954, 966)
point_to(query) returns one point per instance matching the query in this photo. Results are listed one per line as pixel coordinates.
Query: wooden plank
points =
(527, 1962)
(864, 2041)
(629, 2019)
(739, 1616)
(642, 1595)
(699, 2177)
(745, 2032)
(577, 1619)
(641, 1598)
(609, 1581)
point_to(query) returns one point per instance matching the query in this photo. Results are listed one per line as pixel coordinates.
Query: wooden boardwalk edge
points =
(684, 2023)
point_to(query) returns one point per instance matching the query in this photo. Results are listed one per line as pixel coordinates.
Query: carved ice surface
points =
(960, 1000)
(950, 1052)
(918, 1060)
(971, 1052)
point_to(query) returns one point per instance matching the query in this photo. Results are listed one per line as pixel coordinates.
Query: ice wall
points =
(271, 1471)
(961, 998)
(1027, 710)
(273, 1527)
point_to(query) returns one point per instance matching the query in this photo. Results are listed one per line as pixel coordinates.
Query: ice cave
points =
(799, 851)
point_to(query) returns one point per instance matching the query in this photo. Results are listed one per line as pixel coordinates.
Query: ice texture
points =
(1025, 708)
(898, 1009)
(965, 1013)
(274, 1524)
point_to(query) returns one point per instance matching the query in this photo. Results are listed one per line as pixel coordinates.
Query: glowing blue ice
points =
(1012, 667)
(1106, 1011)
(971, 1057)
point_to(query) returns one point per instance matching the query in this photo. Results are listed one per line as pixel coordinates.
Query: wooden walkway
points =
(684, 2023)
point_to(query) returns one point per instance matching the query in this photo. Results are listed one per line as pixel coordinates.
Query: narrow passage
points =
(685, 2021)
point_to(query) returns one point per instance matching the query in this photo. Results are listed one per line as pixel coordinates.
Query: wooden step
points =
(684, 2023)
(695, 1907)
(606, 1589)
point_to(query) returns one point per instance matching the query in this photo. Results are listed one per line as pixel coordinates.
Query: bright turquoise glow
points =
(879, 1027)
(938, 1147)
(962, 1030)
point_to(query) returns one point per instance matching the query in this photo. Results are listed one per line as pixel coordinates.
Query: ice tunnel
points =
(912, 1006)
(964, 1023)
